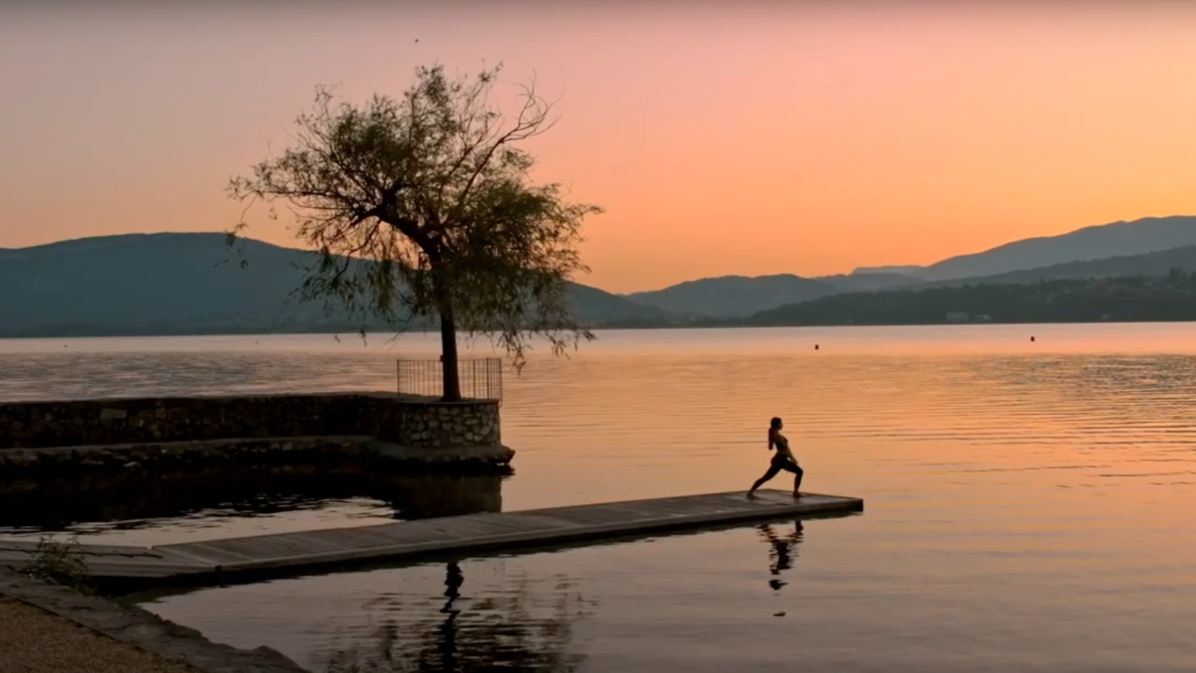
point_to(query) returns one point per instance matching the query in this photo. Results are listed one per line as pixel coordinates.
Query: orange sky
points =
(746, 138)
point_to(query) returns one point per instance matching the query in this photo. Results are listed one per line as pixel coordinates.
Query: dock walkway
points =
(448, 535)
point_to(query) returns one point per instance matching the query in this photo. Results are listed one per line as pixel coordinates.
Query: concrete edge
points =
(497, 454)
(190, 444)
(71, 461)
(370, 443)
(142, 629)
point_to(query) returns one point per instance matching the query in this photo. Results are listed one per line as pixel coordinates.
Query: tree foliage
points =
(423, 206)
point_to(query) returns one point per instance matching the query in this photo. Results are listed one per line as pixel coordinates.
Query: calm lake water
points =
(1029, 504)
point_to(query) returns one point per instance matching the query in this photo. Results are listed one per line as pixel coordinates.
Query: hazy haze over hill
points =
(907, 270)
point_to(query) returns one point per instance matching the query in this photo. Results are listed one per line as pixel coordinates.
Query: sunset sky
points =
(721, 138)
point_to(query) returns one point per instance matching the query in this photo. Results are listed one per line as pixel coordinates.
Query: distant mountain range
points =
(741, 296)
(732, 296)
(192, 284)
(1150, 234)
(189, 284)
(1085, 253)
(1147, 264)
(1166, 298)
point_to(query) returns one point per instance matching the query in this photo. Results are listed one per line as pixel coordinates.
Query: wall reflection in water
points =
(145, 500)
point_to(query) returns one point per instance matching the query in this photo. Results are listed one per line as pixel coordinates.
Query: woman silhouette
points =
(783, 459)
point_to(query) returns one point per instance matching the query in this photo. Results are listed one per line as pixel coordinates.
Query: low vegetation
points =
(60, 562)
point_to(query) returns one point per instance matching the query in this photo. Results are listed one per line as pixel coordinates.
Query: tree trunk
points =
(448, 355)
(448, 330)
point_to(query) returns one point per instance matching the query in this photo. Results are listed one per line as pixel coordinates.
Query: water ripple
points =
(1027, 503)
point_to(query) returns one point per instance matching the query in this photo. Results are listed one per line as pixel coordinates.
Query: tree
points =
(424, 205)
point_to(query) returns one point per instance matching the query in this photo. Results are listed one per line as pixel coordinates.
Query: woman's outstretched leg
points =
(773, 470)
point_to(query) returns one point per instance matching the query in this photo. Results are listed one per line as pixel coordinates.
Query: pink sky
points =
(721, 138)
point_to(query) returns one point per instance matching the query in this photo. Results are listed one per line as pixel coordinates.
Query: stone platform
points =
(61, 437)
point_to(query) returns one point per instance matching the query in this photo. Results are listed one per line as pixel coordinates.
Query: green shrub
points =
(60, 562)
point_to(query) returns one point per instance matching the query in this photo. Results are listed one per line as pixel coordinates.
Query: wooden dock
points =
(429, 537)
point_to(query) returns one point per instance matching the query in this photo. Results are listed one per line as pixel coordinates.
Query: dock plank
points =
(449, 535)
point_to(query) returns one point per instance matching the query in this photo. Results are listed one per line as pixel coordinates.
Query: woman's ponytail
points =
(772, 432)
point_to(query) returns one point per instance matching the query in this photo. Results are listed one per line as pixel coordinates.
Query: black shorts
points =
(780, 462)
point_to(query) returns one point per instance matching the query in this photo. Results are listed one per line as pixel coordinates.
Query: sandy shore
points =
(46, 627)
(35, 641)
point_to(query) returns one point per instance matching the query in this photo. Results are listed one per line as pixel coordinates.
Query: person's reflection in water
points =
(782, 552)
(447, 631)
(453, 579)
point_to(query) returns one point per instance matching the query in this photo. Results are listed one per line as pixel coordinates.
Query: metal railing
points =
(480, 378)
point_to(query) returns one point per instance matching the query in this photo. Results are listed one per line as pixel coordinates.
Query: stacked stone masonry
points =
(192, 419)
(179, 431)
(448, 425)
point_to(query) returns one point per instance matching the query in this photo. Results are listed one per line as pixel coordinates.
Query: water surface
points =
(1027, 501)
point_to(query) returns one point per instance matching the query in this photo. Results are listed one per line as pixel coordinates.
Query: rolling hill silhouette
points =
(188, 284)
(739, 296)
(1151, 234)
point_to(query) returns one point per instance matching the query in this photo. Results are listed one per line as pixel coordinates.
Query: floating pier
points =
(216, 560)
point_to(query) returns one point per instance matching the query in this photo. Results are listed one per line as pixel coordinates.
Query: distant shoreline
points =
(116, 334)
(170, 285)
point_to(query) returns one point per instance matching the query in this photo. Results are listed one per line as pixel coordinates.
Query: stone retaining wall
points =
(158, 456)
(134, 433)
(447, 425)
(189, 419)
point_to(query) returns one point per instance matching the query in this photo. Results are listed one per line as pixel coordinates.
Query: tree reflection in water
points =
(514, 631)
(783, 550)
